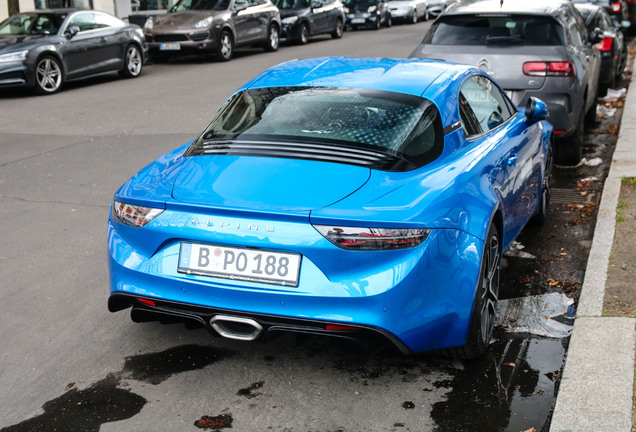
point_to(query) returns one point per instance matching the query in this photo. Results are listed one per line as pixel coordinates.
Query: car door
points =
(322, 11)
(246, 22)
(87, 51)
(488, 116)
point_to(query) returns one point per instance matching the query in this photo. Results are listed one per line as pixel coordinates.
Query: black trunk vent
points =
(308, 151)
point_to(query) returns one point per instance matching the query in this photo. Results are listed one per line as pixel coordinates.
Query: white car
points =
(410, 11)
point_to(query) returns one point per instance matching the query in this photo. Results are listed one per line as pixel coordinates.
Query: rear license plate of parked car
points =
(357, 21)
(253, 265)
(170, 46)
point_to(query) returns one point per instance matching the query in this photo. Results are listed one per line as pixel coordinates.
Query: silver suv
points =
(539, 48)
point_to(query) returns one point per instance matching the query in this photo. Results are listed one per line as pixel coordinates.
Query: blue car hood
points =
(265, 184)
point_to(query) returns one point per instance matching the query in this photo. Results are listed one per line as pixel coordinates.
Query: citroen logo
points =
(484, 65)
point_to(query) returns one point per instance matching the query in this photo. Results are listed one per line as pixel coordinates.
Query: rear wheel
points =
(337, 32)
(413, 17)
(271, 44)
(133, 62)
(48, 75)
(546, 189)
(303, 34)
(569, 151)
(225, 49)
(487, 296)
(388, 21)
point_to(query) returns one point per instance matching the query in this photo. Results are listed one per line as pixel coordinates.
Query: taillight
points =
(539, 68)
(616, 7)
(372, 239)
(134, 215)
(605, 44)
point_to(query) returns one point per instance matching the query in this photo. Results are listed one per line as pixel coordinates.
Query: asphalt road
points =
(68, 364)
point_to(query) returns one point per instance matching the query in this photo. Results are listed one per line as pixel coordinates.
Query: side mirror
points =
(536, 109)
(71, 32)
(596, 35)
(239, 7)
(316, 5)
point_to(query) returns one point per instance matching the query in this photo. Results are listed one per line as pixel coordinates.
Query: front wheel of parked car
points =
(48, 75)
(339, 30)
(271, 44)
(569, 151)
(225, 49)
(413, 17)
(303, 34)
(133, 62)
(484, 310)
(426, 15)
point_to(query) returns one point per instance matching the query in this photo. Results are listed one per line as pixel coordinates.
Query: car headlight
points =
(204, 23)
(149, 24)
(14, 56)
(372, 9)
(134, 215)
(290, 20)
(373, 239)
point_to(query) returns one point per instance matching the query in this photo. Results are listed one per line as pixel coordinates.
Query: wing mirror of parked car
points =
(536, 109)
(71, 32)
(597, 35)
(239, 7)
(316, 5)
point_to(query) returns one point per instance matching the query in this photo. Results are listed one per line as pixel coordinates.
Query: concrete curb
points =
(597, 387)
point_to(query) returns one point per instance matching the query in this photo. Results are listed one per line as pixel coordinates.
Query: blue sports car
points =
(369, 199)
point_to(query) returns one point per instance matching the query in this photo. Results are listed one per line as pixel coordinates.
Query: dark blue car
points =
(369, 199)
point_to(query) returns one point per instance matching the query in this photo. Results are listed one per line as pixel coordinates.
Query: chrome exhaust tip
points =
(237, 328)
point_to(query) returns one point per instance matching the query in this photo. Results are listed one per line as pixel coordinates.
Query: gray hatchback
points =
(539, 48)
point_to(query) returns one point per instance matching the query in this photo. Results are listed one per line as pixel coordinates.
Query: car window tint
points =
(104, 20)
(406, 125)
(486, 101)
(185, 5)
(495, 30)
(85, 21)
(20, 24)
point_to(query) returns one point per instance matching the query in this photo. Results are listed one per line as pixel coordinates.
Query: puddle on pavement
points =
(86, 410)
(512, 389)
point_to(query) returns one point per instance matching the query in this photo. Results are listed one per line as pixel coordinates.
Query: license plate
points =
(170, 46)
(357, 21)
(254, 265)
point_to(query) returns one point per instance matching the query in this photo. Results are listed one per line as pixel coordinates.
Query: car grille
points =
(199, 36)
(170, 38)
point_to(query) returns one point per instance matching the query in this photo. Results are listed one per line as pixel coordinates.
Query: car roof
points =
(416, 77)
(541, 7)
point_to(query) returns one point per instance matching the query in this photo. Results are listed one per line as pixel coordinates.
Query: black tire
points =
(485, 305)
(48, 75)
(339, 30)
(622, 62)
(570, 151)
(133, 62)
(388, 21)
(546, 188)
(303, 34)
(426, 15)
(413, 18)
(590, 115)
(273, 38)
(225, 50)
(378, 22)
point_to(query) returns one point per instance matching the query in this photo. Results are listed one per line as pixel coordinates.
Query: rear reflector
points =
(339, 327)
(616, 7)
(148, 302)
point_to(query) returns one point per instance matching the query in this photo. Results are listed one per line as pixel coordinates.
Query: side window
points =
(103, 21)
(489, 107)
(85, 21)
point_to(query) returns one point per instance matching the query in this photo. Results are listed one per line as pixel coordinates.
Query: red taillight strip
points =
(541, 68)
(339, 327)
(146, 301)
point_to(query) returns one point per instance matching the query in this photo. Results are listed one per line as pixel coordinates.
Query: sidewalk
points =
(597, 386)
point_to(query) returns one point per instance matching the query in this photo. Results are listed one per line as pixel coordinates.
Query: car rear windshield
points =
(32, 24)
(405, 129)
(186, 5)
(491, 29)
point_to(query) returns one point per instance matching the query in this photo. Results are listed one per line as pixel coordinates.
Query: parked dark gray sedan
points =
(213, 28)
(304, 18)
(43, 49)
(539, 48)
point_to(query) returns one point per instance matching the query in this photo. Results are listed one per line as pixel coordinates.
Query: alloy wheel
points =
(489, 289)
(48, 75)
